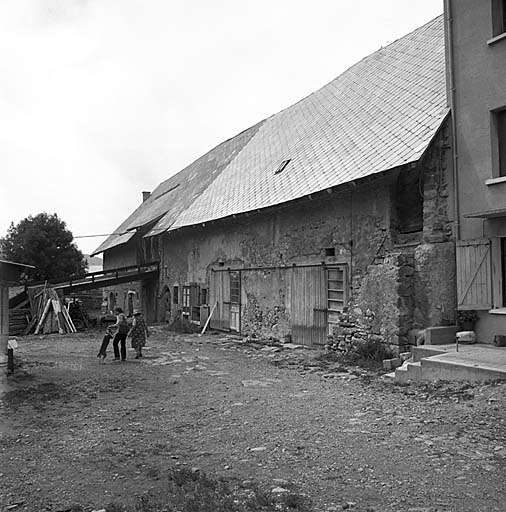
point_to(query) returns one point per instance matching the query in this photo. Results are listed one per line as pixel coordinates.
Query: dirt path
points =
(78, 432)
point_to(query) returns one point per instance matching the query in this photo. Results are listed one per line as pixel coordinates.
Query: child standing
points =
(121, 335)
(139, 332)
(102, 353)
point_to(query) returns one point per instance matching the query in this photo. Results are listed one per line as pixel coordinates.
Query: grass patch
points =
(193, 491)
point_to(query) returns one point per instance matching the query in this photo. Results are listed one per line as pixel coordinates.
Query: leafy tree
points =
(44, 242)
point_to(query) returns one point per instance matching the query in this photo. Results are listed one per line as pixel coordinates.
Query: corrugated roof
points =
(379, 114)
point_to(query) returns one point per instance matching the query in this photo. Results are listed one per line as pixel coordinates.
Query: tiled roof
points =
(379, 114)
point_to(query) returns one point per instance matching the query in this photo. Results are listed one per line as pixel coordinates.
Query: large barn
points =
(333, 217)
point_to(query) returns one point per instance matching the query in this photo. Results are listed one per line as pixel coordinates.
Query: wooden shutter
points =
(474, 274)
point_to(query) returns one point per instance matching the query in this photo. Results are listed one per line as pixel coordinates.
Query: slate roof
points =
(379, 114)
(176, 194)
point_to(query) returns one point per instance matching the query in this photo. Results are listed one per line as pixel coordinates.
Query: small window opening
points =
(175, 295)
(330, 251)
(282, 165)
(203, 296)
(409, 201)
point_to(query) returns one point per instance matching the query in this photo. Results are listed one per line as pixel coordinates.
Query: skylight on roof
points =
(282, 165)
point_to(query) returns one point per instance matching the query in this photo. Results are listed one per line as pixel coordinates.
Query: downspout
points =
(451, 80)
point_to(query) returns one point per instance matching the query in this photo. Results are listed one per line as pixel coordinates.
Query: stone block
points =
(440, 335)
(392, 364)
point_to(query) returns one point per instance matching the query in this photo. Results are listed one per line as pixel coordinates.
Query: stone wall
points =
(382, 309)
(414, 287)
(272, 241)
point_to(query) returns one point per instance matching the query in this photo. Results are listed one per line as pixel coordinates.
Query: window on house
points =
(175, 294)
(498, 17)
(203, 296)
(500, 137)
(186, 296)
(336, 288)
(235, 288)
(503, 265)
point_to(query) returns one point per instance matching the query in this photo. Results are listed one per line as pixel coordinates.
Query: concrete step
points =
(448, 367)
(418, 353)
(472, 363)
(408, 372)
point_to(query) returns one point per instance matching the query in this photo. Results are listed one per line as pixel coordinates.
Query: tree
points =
(44, 242)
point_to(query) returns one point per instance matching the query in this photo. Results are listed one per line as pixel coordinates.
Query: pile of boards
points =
(39, 310)
(19, 319)
(49, 312)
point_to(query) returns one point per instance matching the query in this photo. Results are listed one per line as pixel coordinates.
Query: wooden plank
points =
(58, 316)
(208, 319)
(43, 316)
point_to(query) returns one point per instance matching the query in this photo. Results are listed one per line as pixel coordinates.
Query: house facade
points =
(476, 35)
(330, 220)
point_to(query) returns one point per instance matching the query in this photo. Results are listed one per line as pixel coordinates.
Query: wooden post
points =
(208, 319)
(43, 316)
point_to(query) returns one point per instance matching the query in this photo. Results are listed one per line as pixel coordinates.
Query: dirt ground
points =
(77, 432)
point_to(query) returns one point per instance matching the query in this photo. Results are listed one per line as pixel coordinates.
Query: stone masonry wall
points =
(382, 310)
(414, 286)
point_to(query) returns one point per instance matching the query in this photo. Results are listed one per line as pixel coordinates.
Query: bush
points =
(373, 351)
(368, 354)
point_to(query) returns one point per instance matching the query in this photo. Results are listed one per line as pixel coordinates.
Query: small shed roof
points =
(10, 271)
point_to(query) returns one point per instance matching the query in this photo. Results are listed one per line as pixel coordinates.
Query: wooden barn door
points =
(219, 294)
(308, 301)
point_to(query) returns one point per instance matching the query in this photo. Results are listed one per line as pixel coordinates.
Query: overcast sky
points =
(102, 99)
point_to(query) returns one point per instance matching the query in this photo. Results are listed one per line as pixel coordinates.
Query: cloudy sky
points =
(102, 99)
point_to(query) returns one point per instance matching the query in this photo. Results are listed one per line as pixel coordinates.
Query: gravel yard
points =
(81, 435)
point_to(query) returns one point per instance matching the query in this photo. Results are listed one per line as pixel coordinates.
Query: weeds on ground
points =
(365, 354)
(193, 491)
